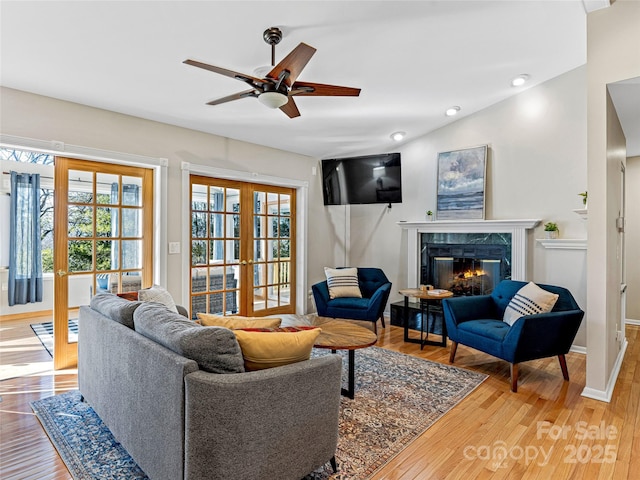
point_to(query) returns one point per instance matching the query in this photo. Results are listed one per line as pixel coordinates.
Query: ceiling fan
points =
(280, 85)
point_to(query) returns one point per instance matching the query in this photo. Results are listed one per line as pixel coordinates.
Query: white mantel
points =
(517, 228)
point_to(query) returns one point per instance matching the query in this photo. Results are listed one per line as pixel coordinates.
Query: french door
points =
(103, 239)
(242, 248)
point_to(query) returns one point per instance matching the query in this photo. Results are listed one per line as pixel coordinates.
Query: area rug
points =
(397, 398)
(44, 332)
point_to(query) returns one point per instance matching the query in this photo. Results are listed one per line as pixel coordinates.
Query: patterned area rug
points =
(397, 398)
(44, 332)
(84, 443)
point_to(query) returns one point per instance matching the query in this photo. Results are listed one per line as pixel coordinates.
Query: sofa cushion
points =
(342, 282)
(215, 349)
(370, 280)
(486, 335)
(529, 300)
(236, 321)
(116, 308)
(350, 302)
(157, 294)
(272, 347)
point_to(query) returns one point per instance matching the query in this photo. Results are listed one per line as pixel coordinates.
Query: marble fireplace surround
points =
(518, 229)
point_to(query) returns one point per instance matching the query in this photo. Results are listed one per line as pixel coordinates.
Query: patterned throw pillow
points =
(233, 322)
(529, 300)
(273, 347)
(342, 282)
(159, 295)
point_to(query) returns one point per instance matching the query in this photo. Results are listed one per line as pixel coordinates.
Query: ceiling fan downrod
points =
(272, 36)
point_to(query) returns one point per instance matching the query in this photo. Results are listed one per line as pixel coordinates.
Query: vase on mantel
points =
(551, 234)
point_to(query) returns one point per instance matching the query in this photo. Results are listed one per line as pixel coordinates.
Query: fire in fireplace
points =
(466, 276)
(465, 269)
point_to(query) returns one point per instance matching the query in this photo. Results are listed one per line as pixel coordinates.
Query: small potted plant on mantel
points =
(551, 230)
(429, 215)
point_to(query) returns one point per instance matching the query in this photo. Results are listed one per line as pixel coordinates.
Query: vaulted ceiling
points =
(412, 60)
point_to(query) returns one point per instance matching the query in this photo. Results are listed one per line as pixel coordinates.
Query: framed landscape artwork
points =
(461, 184)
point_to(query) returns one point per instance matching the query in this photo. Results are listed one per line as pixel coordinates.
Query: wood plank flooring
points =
(546, 430)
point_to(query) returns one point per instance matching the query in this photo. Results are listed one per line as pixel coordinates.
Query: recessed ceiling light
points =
(397, 136)
(450, 112)
(519, 80)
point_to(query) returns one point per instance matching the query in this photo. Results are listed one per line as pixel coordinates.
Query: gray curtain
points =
(25, 260)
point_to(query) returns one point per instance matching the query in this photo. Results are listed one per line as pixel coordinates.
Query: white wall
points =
(613, 54)
(536, 168)
(79, 294)
(632, 238)
(42, 118)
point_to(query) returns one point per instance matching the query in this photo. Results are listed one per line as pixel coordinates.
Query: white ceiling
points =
(411, 59)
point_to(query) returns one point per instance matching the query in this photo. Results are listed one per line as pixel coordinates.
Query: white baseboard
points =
(631, 321)
(605, 395)
(578, 349)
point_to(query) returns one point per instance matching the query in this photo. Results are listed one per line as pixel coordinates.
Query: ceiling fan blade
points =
(322, 90)
(290, 108)
(293, 63)
(253, 81)
(235, 96)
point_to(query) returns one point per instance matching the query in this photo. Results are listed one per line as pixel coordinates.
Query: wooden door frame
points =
(302, 196)
(65, 353)
(245, 262)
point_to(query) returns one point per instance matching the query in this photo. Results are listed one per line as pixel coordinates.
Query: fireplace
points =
(465, 269)
(503, 255)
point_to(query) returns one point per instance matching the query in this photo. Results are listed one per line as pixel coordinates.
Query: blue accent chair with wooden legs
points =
(375, 288)
(476, 322)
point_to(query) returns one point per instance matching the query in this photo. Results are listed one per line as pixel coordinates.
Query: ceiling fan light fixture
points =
(273, 99)
(450, 112)
(519, 80)
(398, 136)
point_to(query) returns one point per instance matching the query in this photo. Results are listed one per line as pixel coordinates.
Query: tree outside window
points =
(80, 221)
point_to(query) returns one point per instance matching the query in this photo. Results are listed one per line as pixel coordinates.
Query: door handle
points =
(61, 273)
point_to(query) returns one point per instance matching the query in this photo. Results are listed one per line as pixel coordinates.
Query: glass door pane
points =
(215, 247)
(272, 250)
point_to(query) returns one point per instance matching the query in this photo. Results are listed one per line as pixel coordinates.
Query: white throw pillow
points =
(159, 295)
(342, 282)
(529, 300)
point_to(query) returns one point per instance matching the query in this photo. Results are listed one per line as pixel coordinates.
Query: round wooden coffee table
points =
(338, 334)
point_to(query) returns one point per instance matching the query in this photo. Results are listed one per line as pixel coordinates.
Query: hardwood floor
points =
(27, 375)
(546, 430)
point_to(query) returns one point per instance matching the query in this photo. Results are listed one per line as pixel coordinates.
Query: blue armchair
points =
(375, 288)
(477, 322)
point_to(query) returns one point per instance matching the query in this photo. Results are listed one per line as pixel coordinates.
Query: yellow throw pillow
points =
(267, 348)
(235, 321)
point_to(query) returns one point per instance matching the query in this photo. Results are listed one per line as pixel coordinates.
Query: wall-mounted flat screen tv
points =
(362, 180)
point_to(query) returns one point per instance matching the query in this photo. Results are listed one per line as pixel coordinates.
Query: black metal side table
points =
(426, 297)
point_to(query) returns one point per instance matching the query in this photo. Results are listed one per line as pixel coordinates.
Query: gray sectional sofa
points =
(180, 421)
